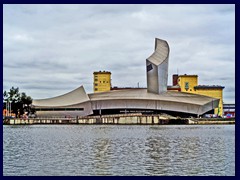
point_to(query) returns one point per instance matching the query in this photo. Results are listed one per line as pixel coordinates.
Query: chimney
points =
(175, 79)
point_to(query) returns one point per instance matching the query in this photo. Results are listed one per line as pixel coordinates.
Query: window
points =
(103, 81)
(96, 84)
(186, 85)
(59, 109)
(149, 67)
(96, 89)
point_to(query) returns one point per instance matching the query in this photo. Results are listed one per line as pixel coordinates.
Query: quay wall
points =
(120, 119)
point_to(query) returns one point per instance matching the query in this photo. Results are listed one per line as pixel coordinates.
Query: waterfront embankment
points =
(120, 119)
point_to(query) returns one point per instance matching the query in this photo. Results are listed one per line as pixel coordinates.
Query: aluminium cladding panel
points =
(163, 76)
(150, 105)
(74, 97)
(152, 77)
(157, 68)
(87, 106)
(87, 110)
(157, 77)
(209, 106)
(59, 113)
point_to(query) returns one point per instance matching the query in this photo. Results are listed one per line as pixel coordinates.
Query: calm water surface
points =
(118, 150)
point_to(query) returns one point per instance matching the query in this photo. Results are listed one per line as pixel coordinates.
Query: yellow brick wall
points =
(101, 81)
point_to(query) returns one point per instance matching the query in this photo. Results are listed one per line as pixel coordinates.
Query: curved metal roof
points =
(142, 94)
(141, 99)
(161, 52)
(74, 97)
(129, 99)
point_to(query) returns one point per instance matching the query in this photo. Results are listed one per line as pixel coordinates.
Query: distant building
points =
(101, 81)
(189, 84)
(229, 109)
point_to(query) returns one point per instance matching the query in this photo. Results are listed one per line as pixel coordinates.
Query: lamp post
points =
(6, 109)
(212, 106)
(7, 114)
(10, 112)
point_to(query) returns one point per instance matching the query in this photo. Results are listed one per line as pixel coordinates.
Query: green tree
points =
(26, 101)
(19, 101)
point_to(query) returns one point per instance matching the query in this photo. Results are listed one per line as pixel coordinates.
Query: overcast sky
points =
(49, 50)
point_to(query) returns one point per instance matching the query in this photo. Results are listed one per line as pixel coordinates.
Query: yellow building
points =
(212, 91)
(101, 81)
(189, 84)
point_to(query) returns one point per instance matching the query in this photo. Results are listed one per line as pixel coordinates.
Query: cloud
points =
(51, 49)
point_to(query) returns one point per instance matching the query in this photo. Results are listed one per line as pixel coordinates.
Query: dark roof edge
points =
(208, 87)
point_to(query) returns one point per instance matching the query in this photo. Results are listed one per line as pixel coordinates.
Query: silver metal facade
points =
(126, 99)
(74, 99)
(157, 68)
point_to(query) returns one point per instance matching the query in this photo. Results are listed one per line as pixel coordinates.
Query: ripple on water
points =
(118, 150)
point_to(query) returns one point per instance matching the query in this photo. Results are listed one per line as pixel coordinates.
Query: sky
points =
(49, 50)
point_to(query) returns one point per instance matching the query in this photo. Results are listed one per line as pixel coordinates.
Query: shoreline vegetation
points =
(120, 119)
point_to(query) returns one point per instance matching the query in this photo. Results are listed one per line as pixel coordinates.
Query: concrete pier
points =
(120, 119)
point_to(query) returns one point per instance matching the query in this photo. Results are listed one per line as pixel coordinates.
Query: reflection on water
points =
(119, 150)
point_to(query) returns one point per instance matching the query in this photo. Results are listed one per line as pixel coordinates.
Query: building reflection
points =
(101, 160)
(164, 156)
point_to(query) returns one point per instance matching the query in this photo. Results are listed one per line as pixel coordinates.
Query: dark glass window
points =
(149, 67)
(59, 109)
(186, 85)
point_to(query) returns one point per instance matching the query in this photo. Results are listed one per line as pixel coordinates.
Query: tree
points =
(19, 101)
(12, 96)
(26, 101)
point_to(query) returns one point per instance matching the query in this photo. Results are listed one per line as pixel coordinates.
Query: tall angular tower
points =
(157, 68)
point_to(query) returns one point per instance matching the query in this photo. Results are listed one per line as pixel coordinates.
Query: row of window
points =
(96, 79)
(59, 109)
(101, 89)
(101, 82)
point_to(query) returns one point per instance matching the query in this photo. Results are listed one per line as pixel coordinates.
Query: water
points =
(71, 150)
